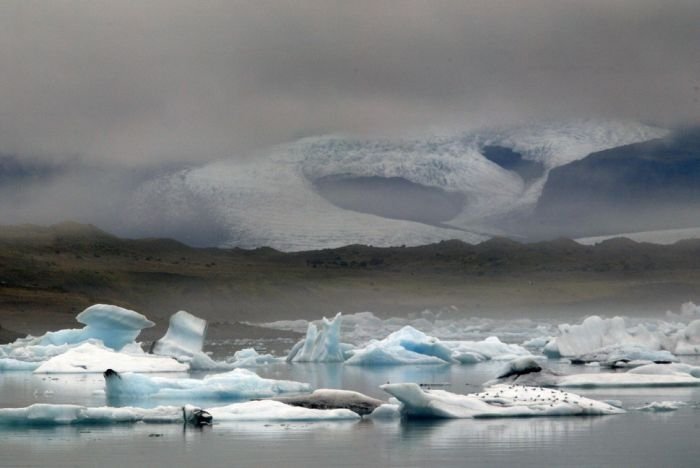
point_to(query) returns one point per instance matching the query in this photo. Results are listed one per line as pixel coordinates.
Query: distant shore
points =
(49, 274)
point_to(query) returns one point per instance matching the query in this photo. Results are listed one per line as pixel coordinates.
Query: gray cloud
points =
(176, 80)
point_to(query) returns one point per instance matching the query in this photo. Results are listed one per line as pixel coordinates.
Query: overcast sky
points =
(134, 81)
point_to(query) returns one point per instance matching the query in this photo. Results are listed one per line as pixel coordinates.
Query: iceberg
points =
(320, 345)
(687, 341)
(108, 325)
(184, 337)
(238, 384)
(115, 326)
(411, 346)
(497, 401)
(595, 333)
(92, 357)
(405, 346)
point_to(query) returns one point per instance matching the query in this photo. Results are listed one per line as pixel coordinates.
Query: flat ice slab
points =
(527, 371)
(264, 410)
(500, 401)
(94, 358)
(270, 410)
(650, 375)
(237, 384)
(51, 415)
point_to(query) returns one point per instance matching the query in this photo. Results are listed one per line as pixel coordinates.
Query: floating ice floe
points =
(270, 410)
(625, 356)
(496, 401)
(411, 346)
(320, 345)
(93, 357)
(526, 371)
(48, 414)
(238, 384)
(264, 410)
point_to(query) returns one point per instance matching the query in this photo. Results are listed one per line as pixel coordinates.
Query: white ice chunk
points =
(237, 384)
(386, 411)
(320, 345)
(661, 406)
(249, 357)
(270, 410)
(48, 414)
(184, 338)
(496, 401)
(92, 358)
(688, 339)
(650, 375)
(595, 333)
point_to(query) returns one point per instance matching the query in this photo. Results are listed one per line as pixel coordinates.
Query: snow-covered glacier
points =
(271, 198)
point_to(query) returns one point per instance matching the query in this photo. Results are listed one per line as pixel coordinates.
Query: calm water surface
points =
(634, 439)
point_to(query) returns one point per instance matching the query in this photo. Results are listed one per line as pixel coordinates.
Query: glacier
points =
(498, 401)
(238, 384)
(271, 200)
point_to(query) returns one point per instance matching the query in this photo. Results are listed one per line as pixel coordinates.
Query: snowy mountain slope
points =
(272, 200)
